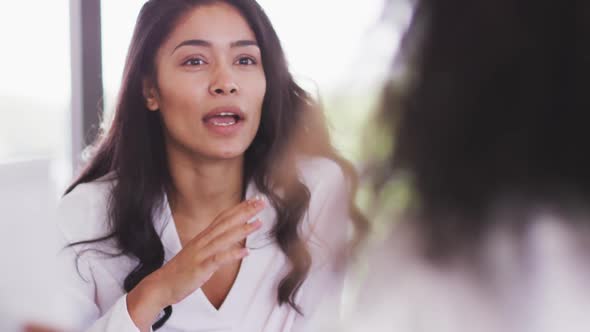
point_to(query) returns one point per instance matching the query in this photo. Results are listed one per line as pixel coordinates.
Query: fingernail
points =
(257, 201)
(256, 223)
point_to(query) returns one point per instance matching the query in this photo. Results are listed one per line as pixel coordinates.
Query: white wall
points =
(27, 242)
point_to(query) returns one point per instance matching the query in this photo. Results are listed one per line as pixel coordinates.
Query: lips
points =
(224, 121)
(224, 116)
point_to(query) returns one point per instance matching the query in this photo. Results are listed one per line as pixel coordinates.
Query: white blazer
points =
(94, 292)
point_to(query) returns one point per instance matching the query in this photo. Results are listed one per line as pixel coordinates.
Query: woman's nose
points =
(223, 83)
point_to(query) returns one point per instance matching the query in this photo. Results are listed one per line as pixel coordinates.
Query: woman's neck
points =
(204, 188)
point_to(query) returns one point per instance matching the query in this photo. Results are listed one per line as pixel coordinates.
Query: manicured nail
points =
(257, 201)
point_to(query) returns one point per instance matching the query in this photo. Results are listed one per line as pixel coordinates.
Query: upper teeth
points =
(226, 114)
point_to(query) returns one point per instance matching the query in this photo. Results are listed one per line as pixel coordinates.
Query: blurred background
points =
(61, 66)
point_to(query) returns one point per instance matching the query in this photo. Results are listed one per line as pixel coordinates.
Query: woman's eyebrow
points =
(241, 43)
(204, 43)
(193, 42)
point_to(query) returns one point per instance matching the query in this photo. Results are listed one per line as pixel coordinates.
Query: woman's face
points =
(210, 84)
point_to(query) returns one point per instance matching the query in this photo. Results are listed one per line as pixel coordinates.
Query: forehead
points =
(219, 23)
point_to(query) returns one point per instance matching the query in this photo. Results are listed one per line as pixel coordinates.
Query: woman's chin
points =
(226, 154)
(231, 155)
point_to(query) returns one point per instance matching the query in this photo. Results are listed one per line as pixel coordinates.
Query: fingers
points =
(232, 236)
(214, 247)
(214, 262)
(243, 211)
(235, 216)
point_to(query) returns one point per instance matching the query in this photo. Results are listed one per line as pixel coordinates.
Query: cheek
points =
(259, 90)
(262, 91)
(258, 94)
(180, 107)
(179, 92)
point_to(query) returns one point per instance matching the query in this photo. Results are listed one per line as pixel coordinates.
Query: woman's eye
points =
(246, 61)
(194, 62)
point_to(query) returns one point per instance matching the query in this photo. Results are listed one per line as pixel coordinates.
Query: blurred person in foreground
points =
(487, 120)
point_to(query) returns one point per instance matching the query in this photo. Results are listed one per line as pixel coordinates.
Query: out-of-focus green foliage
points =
(360, 137)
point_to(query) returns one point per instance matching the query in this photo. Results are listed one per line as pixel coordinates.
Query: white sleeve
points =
(78, 285)
(329, 222)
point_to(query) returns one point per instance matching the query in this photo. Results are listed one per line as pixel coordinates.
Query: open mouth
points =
(223, 118)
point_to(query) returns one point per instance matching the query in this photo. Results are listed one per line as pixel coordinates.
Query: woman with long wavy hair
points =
(215, 200)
